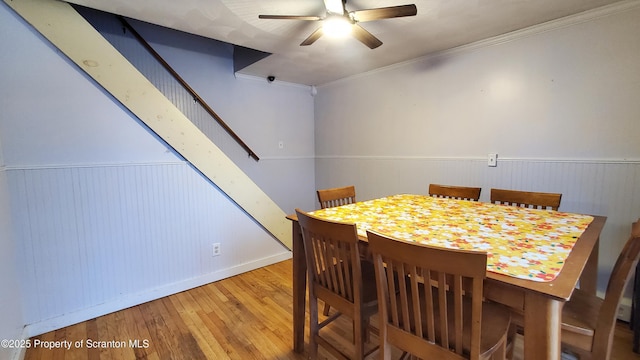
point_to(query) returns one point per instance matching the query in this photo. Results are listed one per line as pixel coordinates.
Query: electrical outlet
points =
(216, 249)
(492, 160)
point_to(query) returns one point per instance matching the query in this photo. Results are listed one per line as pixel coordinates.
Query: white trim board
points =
(78, 40)
(140, 298)
(474, 158)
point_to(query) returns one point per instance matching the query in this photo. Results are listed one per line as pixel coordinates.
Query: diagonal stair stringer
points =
(61, 24)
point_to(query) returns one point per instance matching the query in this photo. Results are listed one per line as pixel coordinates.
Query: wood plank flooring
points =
(244, 317)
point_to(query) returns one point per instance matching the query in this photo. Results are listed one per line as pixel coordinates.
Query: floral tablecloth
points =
(524, 243)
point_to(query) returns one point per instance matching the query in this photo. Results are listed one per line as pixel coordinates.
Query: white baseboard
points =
(20, 353)
(624, 310)
(568, 356)
(130, 300)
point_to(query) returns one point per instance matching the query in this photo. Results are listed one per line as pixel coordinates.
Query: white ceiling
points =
(439, 25)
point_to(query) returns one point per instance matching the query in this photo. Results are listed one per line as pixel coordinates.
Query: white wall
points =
(569, 92)
(558, 103)
(11, 310)
(11, 297)
(104, 214)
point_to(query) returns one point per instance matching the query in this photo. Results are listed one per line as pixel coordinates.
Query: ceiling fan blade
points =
(313, 37)
(334, 6)
(290, 17)
(384, 13)
(365, 37)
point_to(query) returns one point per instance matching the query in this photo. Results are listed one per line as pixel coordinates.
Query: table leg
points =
(299, 289)
(542, 324)
(589, 276)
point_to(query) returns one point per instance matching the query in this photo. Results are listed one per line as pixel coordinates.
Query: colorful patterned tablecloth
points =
(524, 243)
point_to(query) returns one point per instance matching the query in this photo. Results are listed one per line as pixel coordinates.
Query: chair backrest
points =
(455, 192)
(333, 258)
(424, 320)
(536, 200)
(337, 196)
(622, 270)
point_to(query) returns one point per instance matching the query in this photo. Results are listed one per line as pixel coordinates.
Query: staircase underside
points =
(78, 40)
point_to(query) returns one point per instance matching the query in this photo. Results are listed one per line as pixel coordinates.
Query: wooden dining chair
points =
(536, 200)
(441, 321)
(455, 192)
(588, 322)
(337, 276)
(336, 196)
(331, 198)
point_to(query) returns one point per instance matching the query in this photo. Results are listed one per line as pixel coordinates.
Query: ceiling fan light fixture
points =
(338, 22)
(336, 27)
(334, 6)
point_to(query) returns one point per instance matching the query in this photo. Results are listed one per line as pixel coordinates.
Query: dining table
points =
(535, 257)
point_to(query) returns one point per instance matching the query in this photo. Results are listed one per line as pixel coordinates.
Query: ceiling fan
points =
(338, 16)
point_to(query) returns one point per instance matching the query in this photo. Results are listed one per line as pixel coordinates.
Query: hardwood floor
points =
(244, 317)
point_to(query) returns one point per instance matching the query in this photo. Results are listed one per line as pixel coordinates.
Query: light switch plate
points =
(492, 160)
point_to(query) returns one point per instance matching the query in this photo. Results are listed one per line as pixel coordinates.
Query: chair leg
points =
(325, 312)
(511, 341)
(358, 336)
(313, 327)
(367, 332)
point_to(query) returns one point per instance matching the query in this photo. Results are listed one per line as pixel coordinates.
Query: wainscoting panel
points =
(95, 239)
(600, 187)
